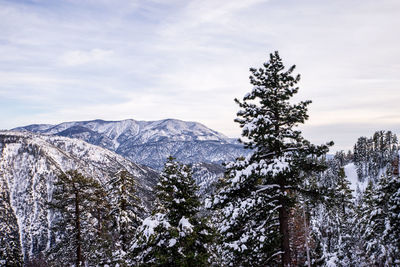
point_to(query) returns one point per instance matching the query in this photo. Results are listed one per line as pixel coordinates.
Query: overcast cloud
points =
(149, 60)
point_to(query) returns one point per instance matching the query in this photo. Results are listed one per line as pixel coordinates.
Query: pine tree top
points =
(177, 191)
(267, 117)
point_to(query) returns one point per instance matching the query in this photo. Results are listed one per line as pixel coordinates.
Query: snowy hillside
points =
(351, 175)
(206, 175)
(29, 165)
(150, 142)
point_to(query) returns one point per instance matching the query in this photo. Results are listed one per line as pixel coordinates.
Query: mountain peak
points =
(145, 131)
(149, 142)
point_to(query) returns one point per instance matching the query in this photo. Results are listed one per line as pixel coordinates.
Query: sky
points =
(150, 60)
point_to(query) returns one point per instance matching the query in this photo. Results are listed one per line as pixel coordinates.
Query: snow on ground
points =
(351, 175)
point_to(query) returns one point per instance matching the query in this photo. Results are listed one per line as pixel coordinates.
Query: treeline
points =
(373, 154)
(286, 204)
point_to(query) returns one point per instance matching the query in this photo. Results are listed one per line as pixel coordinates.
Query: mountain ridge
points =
(139, 124)
(150, 142)
(29, 165)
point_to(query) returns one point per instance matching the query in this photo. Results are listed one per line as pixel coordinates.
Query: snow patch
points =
(351, 175)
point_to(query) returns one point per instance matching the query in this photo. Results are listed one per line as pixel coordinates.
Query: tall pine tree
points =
(375, 221)
(371, 224)
(262, 188)
(344, 215)
(79, 231)
(126, 209)
(392, 230)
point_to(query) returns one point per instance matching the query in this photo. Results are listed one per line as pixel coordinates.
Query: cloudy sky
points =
(150, 60)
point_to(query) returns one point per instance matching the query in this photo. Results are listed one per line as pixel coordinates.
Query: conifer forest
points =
(70, 197)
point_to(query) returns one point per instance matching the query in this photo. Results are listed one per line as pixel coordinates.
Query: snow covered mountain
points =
(30, 163)
(150, 142)
(206, 175)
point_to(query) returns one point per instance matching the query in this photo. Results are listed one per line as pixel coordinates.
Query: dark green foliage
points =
(374, 153)
(380, 222)
(262, 188)
(344, 210)
(10, 247)
(79, 232)
(126, 208)
(393, 231)
(176, 192)
(372, 224)
(174, 235)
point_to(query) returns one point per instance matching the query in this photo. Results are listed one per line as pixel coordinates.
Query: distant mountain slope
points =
(150, 142)
(29, 164)
(206, 176)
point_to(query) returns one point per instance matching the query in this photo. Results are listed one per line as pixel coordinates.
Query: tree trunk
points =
(284, 231)
(124, 240)
(306, 233)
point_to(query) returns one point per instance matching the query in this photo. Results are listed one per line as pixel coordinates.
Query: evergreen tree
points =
(174, 235)
(10, 247)
(392, 231)
(380, 221)
(262, 188)
(125, 210)
(371, 155)
(360, 157)
(369, 236)
(80, 233)
(374, 220)
(345, 221)
(315, 207)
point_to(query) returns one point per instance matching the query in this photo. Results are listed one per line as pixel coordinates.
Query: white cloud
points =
(189, 59)
(79, 57)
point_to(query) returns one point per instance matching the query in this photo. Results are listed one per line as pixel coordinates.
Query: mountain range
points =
(150, 142)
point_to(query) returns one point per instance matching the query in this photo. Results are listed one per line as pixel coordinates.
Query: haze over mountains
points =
(150, 142)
